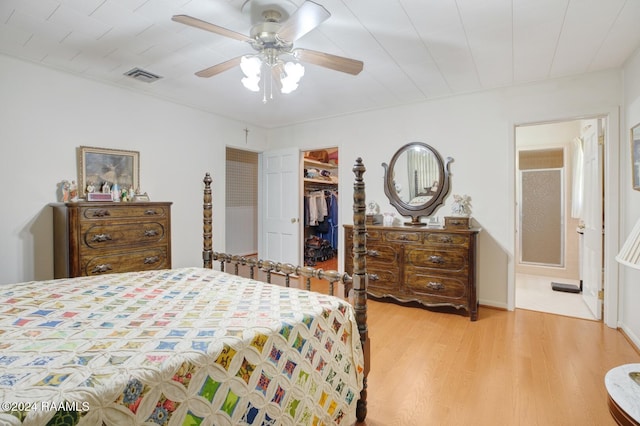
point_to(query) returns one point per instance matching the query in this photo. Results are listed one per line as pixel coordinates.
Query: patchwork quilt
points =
(187, 346)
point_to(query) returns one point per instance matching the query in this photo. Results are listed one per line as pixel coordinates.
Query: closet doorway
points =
(320, 208)
(553, 204)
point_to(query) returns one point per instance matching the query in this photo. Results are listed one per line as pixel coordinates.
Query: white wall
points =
(477, 130)
(629, 316)
(45, 115)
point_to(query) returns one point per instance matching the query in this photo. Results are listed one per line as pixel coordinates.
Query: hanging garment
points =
(330, 231)
(317, 208)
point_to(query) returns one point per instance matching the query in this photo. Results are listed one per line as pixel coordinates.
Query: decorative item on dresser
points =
(106, 167)
(434, 267)
(107, 237)
(455, 222)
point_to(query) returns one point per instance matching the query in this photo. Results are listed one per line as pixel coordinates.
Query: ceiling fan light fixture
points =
(252, 84)
(276, 25)
(251, 66)
(293, 72)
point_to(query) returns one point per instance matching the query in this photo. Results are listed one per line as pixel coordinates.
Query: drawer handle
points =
(101, 213)
(373, 253)
(151, 260)
(373, 277)
(150, 233)
(101, 269)
(436, 259)
(446, 239)
(101, 238)
(456, 222)
(403, 237)
(150, 212)
(435, 286)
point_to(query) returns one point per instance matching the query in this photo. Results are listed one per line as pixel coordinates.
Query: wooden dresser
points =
(92, 238)
(434, 267)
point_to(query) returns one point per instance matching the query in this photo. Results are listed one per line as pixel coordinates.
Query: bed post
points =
(360, 277)
(207, 226)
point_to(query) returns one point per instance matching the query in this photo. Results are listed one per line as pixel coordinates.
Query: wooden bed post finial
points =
(207, 223)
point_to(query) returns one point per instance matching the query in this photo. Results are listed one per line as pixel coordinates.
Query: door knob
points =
(294, 220)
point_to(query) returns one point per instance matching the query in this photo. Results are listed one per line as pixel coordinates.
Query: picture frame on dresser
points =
(635, 157)
(99, 165)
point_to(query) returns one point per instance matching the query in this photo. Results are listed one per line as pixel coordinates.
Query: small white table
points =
(624, 394)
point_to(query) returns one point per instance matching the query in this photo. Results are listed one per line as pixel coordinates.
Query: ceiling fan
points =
(272, 36)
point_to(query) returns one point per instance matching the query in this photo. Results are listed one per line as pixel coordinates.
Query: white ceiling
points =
(413, 50)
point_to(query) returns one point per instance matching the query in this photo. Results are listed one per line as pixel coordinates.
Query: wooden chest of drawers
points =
(100, 238)
(434, 267)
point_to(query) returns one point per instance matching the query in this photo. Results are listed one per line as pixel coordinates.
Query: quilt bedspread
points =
(187, 346)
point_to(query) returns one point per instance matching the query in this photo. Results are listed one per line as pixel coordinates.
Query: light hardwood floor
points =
(507, 368)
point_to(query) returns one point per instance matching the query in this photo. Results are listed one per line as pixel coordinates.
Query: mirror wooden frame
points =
(437, 199)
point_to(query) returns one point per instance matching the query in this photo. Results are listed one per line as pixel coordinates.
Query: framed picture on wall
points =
(100, 168)
(635, 156)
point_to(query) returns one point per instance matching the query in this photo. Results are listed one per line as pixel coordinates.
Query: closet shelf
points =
(326, 182)
(316, 163)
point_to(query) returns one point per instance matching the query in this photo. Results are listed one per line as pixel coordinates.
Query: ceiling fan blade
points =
(327, 60)
(221, 67)
(304, 19)
(207, 26)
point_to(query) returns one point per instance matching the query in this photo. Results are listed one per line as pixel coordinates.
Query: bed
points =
(188, 346)
(424, 197)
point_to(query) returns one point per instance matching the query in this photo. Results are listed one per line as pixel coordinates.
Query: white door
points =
(592, 248)
(280, 207)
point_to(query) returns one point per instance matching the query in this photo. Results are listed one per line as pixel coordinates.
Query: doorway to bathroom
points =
(559, 183)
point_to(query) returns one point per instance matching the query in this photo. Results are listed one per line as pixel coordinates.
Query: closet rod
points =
(323, 187)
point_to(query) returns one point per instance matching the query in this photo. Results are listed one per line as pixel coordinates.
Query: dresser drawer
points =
(123, 211)
(447, 239)
(403, 236)
(142, 260)
(386, 280)
(97, 236)
(436, 285)
(372, 235)
(434, 259)
(382, 254)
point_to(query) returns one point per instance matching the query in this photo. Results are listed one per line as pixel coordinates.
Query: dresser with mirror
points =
(435, 267)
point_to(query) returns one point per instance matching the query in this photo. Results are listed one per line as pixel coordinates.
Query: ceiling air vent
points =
(142, 75)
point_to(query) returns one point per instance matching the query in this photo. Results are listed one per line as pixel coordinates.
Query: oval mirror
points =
(416, 181)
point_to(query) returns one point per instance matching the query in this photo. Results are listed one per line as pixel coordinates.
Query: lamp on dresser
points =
(623, 382)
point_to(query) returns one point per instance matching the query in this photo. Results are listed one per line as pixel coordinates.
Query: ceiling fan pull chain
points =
(271, 86)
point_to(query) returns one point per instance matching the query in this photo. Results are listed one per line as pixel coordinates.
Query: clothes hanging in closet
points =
(330, 232)
(317, 207)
